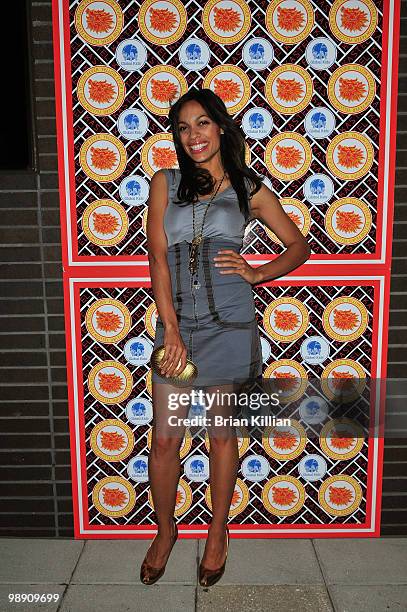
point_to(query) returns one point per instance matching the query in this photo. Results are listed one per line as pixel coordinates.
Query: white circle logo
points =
(257, 123)
(137, 468)
(196, 468)
(134, 190)
(255, 468)
(313, 410)
(320, 122)
(265, 349)
(258, 53)
(315, 350)
(320, 53)
(312, 467)
(318, 188)
(139, 411)
(138, 351)
(194, 54)
(196, 409)
(132, 124)
(131, 54)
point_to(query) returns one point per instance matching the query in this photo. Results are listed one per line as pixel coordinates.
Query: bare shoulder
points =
(159, 177)
(263, 198)
(157, 204)
(157, 196)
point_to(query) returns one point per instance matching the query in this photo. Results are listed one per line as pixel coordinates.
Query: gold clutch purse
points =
(186, 377)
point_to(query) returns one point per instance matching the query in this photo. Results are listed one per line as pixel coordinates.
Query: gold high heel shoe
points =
(208, 577)
(150, 574)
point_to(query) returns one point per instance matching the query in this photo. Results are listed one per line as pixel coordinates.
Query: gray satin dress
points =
(217, 320)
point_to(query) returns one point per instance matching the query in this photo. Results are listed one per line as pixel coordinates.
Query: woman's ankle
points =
(218, 527)
(166, 527)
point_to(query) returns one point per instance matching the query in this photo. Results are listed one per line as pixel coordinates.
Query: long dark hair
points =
(197, 181)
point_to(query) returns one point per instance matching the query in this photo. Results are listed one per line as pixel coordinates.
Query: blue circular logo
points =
(196, 468)
(315, 350)
(318, 188)
(312, 467)
(132, 124)
(137, 351)
(257, 123)
(255, 468)
(196, 409)
(194, 54)
(265, 349)
(320, 122)
(131, 54)
(137, 468)
(313, 410)
(139, 411)
(320, 53)
(258, 53)
(134, 190)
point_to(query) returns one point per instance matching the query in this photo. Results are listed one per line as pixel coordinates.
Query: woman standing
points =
(203, 292)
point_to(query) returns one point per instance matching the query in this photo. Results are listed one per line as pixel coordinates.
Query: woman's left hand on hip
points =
(230, 259)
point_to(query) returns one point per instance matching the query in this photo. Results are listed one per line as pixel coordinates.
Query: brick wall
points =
(35, 480)
(35, 486)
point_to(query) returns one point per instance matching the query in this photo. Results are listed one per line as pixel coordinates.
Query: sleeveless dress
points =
(217, 320)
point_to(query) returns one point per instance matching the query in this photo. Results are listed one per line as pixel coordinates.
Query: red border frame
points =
(199, 531)
(64, 95)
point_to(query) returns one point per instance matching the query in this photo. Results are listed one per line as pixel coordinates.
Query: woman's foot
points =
(161, 546)
(208, 575)
(215, 548)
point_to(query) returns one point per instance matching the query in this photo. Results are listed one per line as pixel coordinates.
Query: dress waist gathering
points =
(225, 300)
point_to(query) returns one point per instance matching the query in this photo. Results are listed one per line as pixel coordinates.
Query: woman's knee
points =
(220, 441)
(165, 446)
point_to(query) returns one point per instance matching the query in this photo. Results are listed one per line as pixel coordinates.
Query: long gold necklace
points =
(197, 239)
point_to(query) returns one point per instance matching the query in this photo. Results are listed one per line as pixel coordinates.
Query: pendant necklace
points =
(197, 239)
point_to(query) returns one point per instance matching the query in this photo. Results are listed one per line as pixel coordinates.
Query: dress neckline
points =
(217, 195)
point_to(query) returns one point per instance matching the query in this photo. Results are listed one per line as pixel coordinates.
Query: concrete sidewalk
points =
(282, 575)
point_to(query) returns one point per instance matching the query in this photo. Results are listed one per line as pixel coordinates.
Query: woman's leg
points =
(164, 464)
(223, 465)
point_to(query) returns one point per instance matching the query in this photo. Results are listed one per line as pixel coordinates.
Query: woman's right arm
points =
(157, 246)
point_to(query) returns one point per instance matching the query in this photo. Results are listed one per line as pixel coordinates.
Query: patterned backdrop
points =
(304, 85)
(309, 84)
